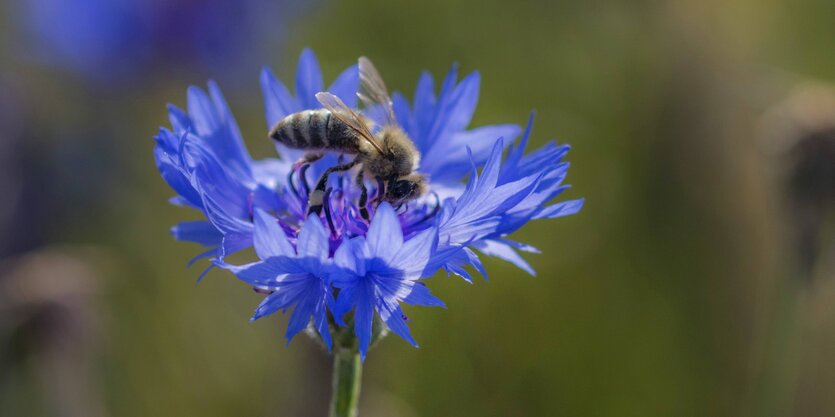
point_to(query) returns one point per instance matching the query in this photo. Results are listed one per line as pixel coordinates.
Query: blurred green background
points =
(681, 289)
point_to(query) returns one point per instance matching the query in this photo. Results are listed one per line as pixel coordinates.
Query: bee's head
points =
(405, 188)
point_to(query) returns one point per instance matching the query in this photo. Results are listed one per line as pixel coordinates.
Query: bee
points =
(387, 155)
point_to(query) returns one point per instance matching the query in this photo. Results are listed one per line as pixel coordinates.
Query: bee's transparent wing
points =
(347, 116)
(373, 92)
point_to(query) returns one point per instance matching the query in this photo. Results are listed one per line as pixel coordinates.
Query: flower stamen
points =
(291, 183)
(303, 179)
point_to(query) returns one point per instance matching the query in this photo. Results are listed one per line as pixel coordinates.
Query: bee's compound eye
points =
(401, 189)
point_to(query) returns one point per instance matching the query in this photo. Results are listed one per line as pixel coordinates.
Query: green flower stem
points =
(347, 376)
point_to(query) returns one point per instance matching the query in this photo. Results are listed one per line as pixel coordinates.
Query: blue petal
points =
(519, 246)
(266, 198)
(346, 85)
(441, 257)
(270, 305)
(168, 142)
(297, 266)
(473, 260)
(205, 271)
(330, 304)
(458, 269)
(490, 175)
(320, 318)
(181, 202)
(234, 143)
(545, 159)
(175, 177)
(259, 274)
(564, 208)
(505, 252)
(420, 296)
(308, 80)
(179, 120)
(234, 242)
(414, 255)
(453, 259)
(203, 255)
(392, 315)
(455, 106)
(215, 126)
(465, 99)
(448, 160)
(200, 108)
(385, 237)
(201, 232)
(404, 117)
(515, 154)
(225, 217)
(363, 317)
(269, 239)
(271, 173)
(424, 110)
(345, 301)
(211, 179)
(300, 317)
(278, 102)
(313, 239)
(345, 263)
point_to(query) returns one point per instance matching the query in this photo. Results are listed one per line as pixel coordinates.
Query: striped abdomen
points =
(315, 129)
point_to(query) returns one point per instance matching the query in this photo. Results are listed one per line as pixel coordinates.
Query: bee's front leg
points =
(363, 198)
(314, 201)
(381, 191)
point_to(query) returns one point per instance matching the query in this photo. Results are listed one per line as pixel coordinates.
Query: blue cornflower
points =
(370, 268)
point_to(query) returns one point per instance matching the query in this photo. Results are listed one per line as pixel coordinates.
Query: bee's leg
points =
(291, 183)
(308, 158)
(381, 191)
(314, 202)
(340, 160)
(300, 167)
(328, 217)
(363, 197)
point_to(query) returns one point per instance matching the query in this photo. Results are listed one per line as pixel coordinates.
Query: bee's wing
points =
(347, 116)
(373, 90)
